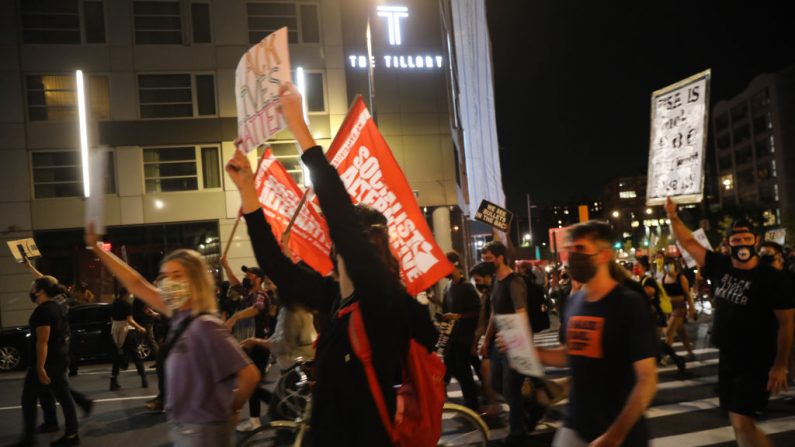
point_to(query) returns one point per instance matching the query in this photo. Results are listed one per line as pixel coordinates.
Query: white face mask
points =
(174, 292)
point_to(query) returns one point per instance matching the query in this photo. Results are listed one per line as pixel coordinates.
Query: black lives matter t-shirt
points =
(744, 321)
(49, 313)
(603, 340)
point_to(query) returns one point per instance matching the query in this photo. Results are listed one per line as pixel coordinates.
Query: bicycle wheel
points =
(462, 427)
(275, 434)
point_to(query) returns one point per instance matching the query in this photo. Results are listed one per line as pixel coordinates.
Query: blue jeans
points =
(506, 381)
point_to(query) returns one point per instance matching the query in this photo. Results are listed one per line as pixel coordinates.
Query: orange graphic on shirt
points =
(584, 336)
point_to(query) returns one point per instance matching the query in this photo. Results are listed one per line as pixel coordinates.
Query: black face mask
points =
(581, 267)
(483, 288)
(33, 297)
(247, 284)
(490, 268)
(743, 253)
(767, 258)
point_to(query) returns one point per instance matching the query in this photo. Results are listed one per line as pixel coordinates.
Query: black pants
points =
(260, 357)
(129, 351)
(458, 359)
(47, 401)
(149, 337)
(33, 389)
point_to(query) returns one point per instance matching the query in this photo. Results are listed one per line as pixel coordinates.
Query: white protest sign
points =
(514, 329)
(678, 141)
(778, 235)
(701, 238)
(260, 72)
(23, 248)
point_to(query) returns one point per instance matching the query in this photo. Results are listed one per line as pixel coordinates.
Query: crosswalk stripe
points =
(721, 434)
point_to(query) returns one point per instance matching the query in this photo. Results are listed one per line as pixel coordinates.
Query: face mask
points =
(767, 258)
(490, 268)
(581, 267)
(33, 297)
(247, 283)
(174, 292)
(743, 253)
(483, 288)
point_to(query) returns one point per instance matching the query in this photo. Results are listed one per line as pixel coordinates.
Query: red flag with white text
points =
(279, 196)
(372, 176)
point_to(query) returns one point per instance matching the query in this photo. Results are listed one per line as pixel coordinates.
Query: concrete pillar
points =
(441, 228)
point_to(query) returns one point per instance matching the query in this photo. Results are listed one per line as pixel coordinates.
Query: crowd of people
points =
(617, 324)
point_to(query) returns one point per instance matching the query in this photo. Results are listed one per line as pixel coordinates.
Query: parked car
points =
(91, 340)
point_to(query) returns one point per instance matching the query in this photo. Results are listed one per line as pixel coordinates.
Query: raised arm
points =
(29, 265)
(233, 280)
(683, 234)
(131, 279)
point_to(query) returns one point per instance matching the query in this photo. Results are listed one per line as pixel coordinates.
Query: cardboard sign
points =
(260, 72)
(280, 196)
(678, 141)
(778, 235)
(514, 329)
(494, 215)
(24, 248)
(372, 176)
(701, 238)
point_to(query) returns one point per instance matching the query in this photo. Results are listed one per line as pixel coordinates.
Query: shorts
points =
(741, 389)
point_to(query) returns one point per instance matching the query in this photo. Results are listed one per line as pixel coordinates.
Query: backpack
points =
(421, 396)
(537, 307)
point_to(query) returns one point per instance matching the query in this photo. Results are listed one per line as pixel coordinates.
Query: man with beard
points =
(752, 325)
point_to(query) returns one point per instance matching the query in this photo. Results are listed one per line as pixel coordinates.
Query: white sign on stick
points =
(678, 141)
(778, 235)
(260, 72)
(514, 329)
(24, 248)
(701, 238)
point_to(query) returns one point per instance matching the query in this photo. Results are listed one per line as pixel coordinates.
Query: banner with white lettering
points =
(678, 141)
(260, 72)
(279, 196)
(373, 177)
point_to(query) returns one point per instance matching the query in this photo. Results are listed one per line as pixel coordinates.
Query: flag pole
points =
(297, 211)
(231, 236)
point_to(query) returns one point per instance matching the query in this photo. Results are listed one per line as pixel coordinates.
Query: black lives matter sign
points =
(493, 215)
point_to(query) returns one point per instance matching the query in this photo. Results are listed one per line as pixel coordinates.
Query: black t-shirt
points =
(744, 321)
(139, 313)
(509, 294)
(121, 310)
(49, 313)
(462, 298)
(604, 339)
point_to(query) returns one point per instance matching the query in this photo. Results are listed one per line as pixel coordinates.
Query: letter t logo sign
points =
(393, 15)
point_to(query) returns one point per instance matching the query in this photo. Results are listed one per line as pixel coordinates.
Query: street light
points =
(616, 214)
(83, 128)
(648, 211)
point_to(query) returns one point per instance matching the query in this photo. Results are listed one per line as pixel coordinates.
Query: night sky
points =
(573, 81)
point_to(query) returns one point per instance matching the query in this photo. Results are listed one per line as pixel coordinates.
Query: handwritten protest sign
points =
(280, 197)
(514, 329)
(678, 141)
(260, 72)
(372, 176)
(777, 235)
(494, 215)
(701, 238)
(23, 248)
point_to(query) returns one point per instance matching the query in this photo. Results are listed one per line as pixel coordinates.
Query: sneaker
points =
(47, 428)
(87, 408)
(114, 384)
(66, 440)
(249, 425)
(665, 361)
(155, 405)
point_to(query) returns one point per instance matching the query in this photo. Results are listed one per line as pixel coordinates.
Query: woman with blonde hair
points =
(208, 377)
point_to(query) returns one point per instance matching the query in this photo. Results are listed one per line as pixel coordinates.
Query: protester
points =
(124, 341)
(682, 306)
(145, 316)
(508, 296)
(82, 294)
(254, 316)
(343, 410)
(208, 377)
(461, 304)
(560, 291)
(753, 324)
(482, 275)
(49, 362)
(607, 340)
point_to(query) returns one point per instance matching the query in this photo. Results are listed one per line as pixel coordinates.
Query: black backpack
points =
(537, 306)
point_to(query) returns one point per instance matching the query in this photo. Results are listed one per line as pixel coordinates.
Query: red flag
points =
(373, 177)
(279, 195)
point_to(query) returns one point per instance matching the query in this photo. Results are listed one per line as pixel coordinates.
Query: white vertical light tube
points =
(300, 81)
(83, 128)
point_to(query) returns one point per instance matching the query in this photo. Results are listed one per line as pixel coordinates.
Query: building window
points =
(185, 168)
(746, 179)
(59, 22)
(724, 141)
(627, 194)
(200, 19)
(743, 155)
(303, 25)
(739, 112)
(725, 162)
(741, 134)
(722, 122)
(60, 174)
(288, 155)
(53, 97)
(157, 22)
(760, 101)
(727, 182)
(176, 95)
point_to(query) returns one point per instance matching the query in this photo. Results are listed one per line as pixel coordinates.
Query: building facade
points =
(160, 82)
